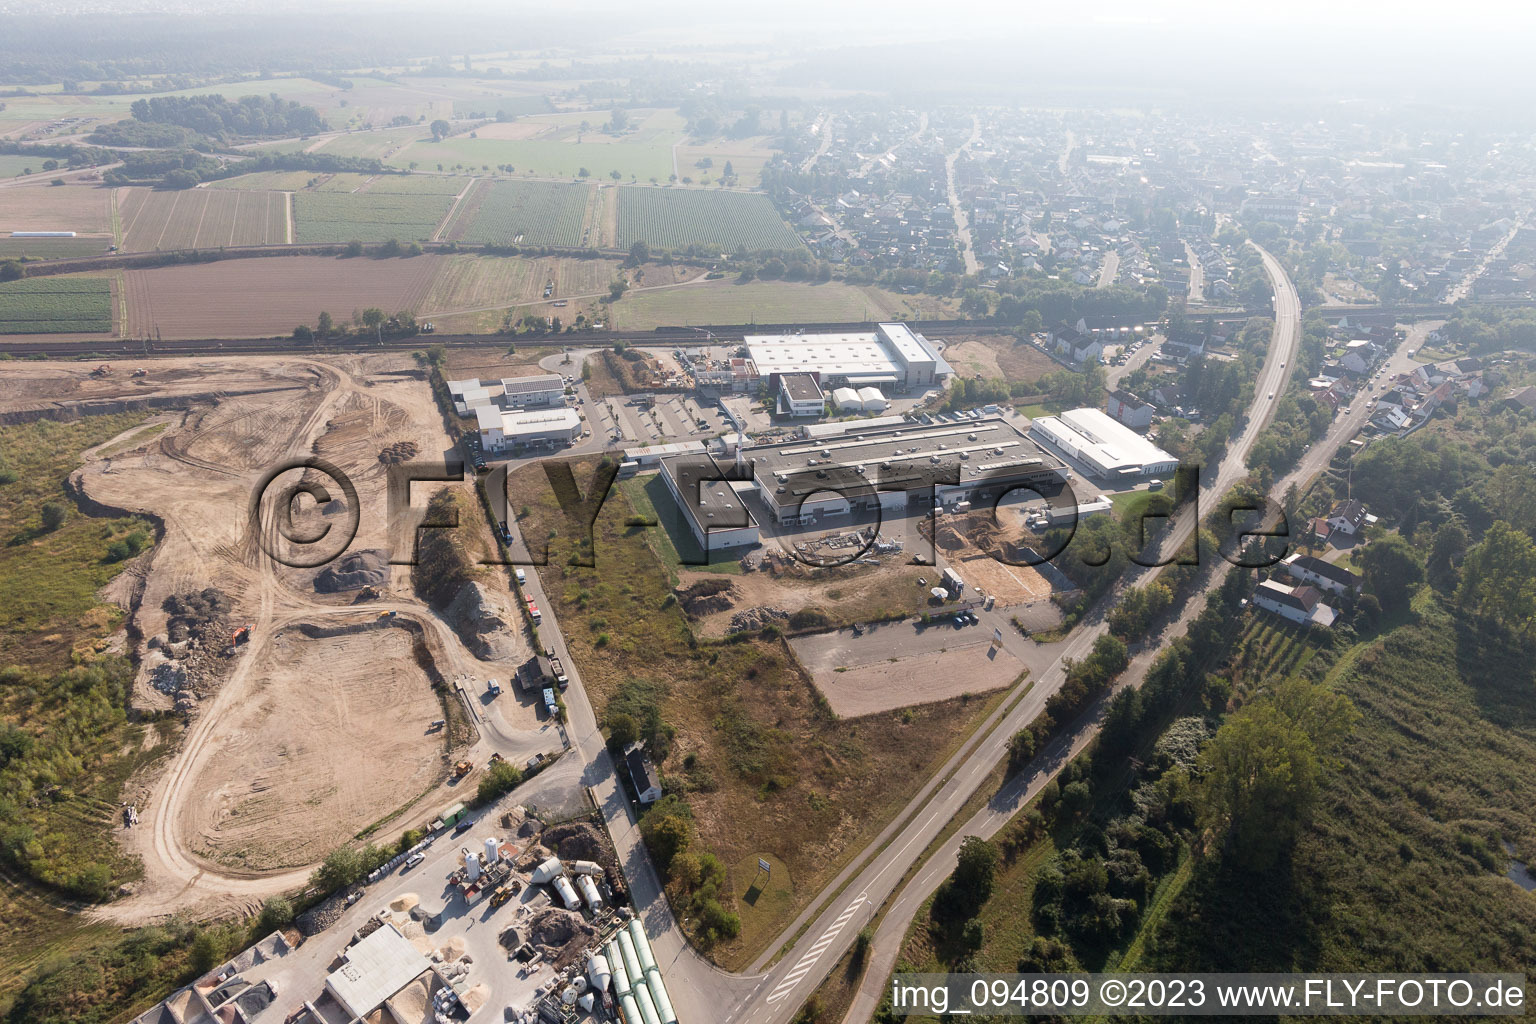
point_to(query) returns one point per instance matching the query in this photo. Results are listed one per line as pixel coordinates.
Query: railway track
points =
(119, 347)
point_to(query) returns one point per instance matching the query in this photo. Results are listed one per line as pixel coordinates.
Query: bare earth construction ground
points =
(294, 744)
(286, 782)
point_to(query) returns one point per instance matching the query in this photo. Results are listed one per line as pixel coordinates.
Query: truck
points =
(522, 577)
(557, 670)
(953, 583)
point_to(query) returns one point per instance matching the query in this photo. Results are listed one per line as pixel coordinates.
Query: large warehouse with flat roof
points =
(1108, 448)
(892, 355)
(864, 468)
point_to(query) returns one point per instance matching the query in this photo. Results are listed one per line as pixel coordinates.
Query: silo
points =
(567, 894)
(621, 984)
(647, 1005)
(631, 962)
(642, 945)
(659, 994)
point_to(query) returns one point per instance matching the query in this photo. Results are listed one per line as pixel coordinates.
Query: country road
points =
(962, 222)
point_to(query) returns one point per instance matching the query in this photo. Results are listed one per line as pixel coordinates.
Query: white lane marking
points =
(803, 967)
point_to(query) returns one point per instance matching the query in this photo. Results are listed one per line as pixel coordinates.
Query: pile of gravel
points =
(353, 571)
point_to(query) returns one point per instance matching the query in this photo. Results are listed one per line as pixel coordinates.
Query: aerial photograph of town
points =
(805, 514)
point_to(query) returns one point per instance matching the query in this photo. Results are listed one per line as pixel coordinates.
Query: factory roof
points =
(801, 387)
(375, 969)
(1092, 433)
(531, 385)
(904, 454)
(831, 354)
(534, 421)
(706, 491)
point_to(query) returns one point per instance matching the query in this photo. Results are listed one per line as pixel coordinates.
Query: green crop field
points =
(367, 216)
(523, 213)
(678, 218)
(56, 305)
(515, 105)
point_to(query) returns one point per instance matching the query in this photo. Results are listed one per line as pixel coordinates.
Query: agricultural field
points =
(397, 184)
(13, 166)
(677, 218)
(522, 213)
(557, 146)
(267, 181)
(56, 305)
(747, 158)
(471, 293)
(726, 302)
(366, 217)
(201, 219)
(82, 208)
(380, 144)
(258, 298)
(52, 248)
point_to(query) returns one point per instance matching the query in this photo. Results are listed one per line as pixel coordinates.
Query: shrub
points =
(53, 515)
(501, 779)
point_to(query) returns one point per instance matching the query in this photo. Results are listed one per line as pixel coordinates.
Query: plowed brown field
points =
(264, 297)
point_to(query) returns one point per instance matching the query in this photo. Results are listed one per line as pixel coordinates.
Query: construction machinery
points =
(462, 769)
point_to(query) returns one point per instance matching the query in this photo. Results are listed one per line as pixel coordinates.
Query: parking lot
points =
(661, 418)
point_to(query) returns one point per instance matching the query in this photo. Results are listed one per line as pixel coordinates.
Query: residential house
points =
(1303, 605)
(1129, 409)
(1073, 345)
(1324, 575)
(1350, 517)
(643, 774)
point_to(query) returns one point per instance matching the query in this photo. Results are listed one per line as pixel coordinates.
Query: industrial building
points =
(1109, 449)
(534, 392)
(500, 431)
(800, 395)
(892, 355)
(862, 467)
(888, 467)
(374, 969)
(713, 506)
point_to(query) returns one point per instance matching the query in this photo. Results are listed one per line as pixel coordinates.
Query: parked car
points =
(412, 861)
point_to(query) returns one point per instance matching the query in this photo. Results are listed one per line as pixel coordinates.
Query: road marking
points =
(804, 965)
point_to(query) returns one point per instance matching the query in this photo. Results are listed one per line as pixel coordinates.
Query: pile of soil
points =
(481, 617)
(400, 451)
(192, 614)
(705, 597)
(561, 936)
(354, 571)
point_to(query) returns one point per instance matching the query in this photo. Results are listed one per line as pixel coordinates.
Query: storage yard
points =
(559, 945)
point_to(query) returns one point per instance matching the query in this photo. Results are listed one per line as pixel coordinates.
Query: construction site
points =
(313, 692)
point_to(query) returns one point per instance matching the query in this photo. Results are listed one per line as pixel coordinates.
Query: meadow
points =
(56, 306)
(345, 217)
(556, 146)
(678, 218)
